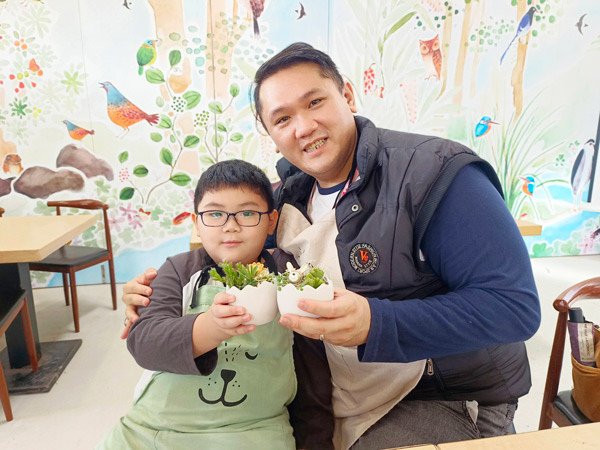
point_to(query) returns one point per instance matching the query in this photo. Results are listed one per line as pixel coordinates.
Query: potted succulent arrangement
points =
(305, 282)
(253, 288)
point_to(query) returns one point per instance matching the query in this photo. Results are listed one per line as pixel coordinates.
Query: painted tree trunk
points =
(445, 47)
(462, 53)
(477, 15)
(517, 73)
(218, 61)
(168, 19)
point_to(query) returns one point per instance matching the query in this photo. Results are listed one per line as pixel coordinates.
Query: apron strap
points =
(202, 280)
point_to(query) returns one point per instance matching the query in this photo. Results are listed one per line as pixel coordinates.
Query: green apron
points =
(240, 405)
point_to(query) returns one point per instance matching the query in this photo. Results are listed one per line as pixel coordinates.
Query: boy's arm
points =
(311, 412)
(161, 339)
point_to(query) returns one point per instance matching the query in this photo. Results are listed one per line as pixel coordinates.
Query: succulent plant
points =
(306, 275)
(241, 275)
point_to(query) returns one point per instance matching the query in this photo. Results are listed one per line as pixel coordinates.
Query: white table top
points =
(32, 238)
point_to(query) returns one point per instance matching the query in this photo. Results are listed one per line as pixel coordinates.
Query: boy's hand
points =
(135, 294)
(227, 318)
(220, 322)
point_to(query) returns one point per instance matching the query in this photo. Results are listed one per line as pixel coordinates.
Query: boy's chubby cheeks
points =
(230, 241)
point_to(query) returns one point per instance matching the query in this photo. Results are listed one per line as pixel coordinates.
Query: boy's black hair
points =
(294, 54)
(234, 173)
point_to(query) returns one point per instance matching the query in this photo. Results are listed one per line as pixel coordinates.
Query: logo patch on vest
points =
(364, 258)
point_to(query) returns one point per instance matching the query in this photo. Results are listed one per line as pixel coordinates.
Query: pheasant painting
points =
(121, 111)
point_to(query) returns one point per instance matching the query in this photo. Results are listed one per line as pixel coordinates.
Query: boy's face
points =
(231, 242)
(311, 121)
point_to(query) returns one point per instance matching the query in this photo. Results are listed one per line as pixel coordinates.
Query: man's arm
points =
(473, 244)
(136, 293)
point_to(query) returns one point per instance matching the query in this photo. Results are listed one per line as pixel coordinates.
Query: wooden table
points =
(528, 228)
(28, 239)
(572, 438)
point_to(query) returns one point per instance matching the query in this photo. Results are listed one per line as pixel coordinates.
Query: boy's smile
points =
(232, 242)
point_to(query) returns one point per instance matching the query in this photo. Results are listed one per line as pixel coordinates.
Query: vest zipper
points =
(429, 367)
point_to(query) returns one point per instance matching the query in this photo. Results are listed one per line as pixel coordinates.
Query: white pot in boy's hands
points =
(260, 301)
(288, 296)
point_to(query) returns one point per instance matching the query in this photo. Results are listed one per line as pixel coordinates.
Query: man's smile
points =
(315, 145)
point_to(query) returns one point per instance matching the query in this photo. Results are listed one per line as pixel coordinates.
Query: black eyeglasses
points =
(245, 218)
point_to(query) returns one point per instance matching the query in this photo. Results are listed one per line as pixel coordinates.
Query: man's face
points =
(311, 121)
(231, 242)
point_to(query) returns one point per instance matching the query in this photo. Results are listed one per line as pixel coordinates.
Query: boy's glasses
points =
(245, 218)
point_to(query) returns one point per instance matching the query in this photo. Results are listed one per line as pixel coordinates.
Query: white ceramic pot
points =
(288, 296)
(260, 301)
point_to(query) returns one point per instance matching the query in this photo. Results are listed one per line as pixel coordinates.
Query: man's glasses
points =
(245, 218)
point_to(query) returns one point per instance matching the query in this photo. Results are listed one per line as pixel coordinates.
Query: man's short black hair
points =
(292, 55)
(234, 173)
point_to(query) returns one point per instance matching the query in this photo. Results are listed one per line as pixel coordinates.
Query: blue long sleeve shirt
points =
(473, 244)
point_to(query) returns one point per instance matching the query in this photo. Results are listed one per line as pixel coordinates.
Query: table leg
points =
(12, 278)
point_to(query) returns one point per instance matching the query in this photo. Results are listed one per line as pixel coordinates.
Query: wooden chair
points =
(11, 305)
(72, 258)
(559, 407)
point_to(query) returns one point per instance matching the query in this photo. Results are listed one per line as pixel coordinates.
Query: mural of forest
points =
(129, 101)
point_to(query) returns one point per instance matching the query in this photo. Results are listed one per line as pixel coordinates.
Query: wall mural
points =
(129, 101)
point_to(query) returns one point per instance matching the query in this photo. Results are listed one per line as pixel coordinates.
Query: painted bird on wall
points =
(432, 56)
(121, 111)
(75, 131)
(146, 55)
(484, 126)
(522, 29)
(257, 7)
(528, 185)
(581, 173)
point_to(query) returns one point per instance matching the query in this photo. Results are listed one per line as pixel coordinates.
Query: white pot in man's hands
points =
(288, 296)
(260, 301)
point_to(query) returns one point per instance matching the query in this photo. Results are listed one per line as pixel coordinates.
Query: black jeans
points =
(415, 422)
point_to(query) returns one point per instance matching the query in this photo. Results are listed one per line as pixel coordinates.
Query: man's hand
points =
(345, 320)
(135, 294)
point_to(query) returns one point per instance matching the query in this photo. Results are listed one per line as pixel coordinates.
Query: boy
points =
(237, 379)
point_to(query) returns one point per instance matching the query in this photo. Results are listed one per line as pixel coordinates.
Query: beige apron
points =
(362, 392)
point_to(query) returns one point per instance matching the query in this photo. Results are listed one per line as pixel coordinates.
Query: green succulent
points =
(307, 275)
(241, 275)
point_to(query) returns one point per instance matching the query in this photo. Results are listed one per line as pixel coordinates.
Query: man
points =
(430, 267)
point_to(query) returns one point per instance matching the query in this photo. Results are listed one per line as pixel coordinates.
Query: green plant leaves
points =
(399, 24)
(217, 140)
(192, 98)
(140, 171)
(156, 137)
(155, 76)
(234, 90)
(191, 141)
(215, 107)
(165, 122)
(174, 57)
(166, 156)
(237, 137)
(241, 275)
(123, 156)
(221, 127)
(126, 193)
(180, 179)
